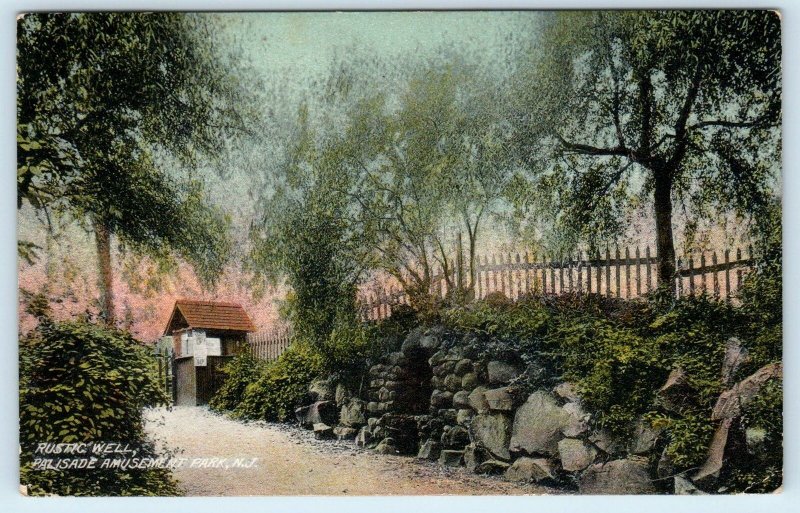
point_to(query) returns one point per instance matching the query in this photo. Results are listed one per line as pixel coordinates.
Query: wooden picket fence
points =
(269, 345)
(622, 274)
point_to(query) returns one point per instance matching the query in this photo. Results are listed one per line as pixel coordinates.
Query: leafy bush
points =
(281, 385)
(80, 382)
(240, 372)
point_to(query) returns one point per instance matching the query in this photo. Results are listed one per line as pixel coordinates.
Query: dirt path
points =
(291, 462)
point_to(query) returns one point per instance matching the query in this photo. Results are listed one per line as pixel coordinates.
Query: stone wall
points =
(445, 398)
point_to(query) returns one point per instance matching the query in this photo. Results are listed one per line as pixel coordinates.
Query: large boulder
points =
(491, 467)
(567, 391)
(386, 446)
(432, 339)
(364, 437)
(461, 399)
(538, 425)
(455, 437)
(430, 450)
(463, 366)
(441, 399)
(502, 373)
(530, 470)
(464, 416)
(345, 433)
(353, 413)
(731, 402)
(411, 343)
(735, 355)
(452, 383)
(322, 431)
(469, 381)
(644, 437)
(321, 390)
(450, 458)
(619, 477)
(578, 420)
(474, 455)
(477, 400)
(575, 455)
(320, 412)
(499, 399)
(342, 395)
(492, 431)
(606, 442)
(675, 391)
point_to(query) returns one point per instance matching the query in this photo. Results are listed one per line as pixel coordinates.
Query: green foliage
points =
(763, 470)
(240, 372)
(524, 321)
(80, 382)
(615, 369)
(96, 130)
(626, 109)
(281, 385)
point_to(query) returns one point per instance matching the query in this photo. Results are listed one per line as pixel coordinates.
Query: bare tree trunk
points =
(102, 236)
(665, 245)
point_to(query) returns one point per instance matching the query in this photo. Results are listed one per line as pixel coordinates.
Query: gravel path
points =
(291, 462)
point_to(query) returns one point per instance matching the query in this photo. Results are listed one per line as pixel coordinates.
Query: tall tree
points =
(663, 106)
(105, 101)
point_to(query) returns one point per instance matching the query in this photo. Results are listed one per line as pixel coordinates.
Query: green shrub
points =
(81, 382)
(281, 385)
(240, 372)
(615, 369)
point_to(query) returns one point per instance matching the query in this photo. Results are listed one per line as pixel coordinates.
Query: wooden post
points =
(638, 272)
(691, 274)
(569, 274)
(704, 274)
(598, 273)
(579, 263)
(588, 273)
(715, 275)
(648, 268)
(608, 272)
(543, 265)
(617, 271)
(738, 269)
(527, 273)
(727, 275)
(627, 272)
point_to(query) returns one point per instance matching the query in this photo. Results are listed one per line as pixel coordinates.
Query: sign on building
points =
(213, 346)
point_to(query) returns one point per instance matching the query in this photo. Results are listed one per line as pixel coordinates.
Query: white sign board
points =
(200, 356)
(214, 346)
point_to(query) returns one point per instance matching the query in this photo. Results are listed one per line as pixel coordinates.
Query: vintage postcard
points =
(400, 253)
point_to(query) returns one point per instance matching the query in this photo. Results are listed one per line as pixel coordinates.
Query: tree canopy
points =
(619, 108)
(107, 103)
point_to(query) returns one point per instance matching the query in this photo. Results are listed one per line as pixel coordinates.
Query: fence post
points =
(715, 276)
(627, 272)
(608, 272)
(638, 272)
(588, 273)
(727, 275)
(648, 269)
(617, 272)
(598, 273)
(691, 274)
(704, 274)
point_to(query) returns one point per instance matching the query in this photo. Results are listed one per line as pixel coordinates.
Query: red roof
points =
(209, 315)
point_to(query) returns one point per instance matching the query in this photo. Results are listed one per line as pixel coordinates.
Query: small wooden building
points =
(205, 335)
